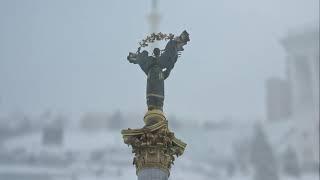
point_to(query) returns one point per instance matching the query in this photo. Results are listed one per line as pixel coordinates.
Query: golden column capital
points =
(154, 145)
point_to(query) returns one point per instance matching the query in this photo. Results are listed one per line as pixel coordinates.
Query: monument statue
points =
(158, 66)
(155, 145)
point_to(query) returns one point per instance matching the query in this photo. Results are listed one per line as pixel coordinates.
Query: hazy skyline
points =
(70, 56)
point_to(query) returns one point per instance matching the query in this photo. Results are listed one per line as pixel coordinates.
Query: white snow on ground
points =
(74, 141)
(114, 158)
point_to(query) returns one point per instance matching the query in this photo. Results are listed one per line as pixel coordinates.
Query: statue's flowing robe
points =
(155, 85)
(157, 70)
(155, 81)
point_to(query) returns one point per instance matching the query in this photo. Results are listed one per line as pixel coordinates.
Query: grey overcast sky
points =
(70, 55)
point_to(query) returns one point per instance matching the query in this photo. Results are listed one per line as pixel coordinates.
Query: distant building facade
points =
(296, 97)
(302, 60)
(278, 99)
(302, 49)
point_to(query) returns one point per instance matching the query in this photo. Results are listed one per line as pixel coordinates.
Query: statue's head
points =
(156, 52)
(144, 53)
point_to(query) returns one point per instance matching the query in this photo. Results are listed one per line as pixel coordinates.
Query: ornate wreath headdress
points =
(155, 37)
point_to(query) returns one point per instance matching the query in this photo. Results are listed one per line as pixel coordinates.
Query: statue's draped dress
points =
(157, 70)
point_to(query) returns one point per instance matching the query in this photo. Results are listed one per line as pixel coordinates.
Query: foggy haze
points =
(244, 94)
(70, 56)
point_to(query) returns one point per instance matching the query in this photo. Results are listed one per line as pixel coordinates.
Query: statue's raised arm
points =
(139, 58)
(172, 51)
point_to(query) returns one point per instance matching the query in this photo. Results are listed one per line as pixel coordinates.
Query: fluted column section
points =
(152, 174)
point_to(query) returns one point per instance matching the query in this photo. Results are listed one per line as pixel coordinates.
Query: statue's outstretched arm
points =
(172, 51)
(133, 58)
(182, 40)
(139, 58)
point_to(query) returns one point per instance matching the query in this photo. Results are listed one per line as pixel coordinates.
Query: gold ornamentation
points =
(154, 145)
(155, 95)
(155, 37)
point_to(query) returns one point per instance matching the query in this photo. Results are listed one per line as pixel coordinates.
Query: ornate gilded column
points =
(154, 146)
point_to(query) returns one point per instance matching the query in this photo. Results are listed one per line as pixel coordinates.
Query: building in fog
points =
(302, 49)
(278, 99)
(297, 96)
(299, 91)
